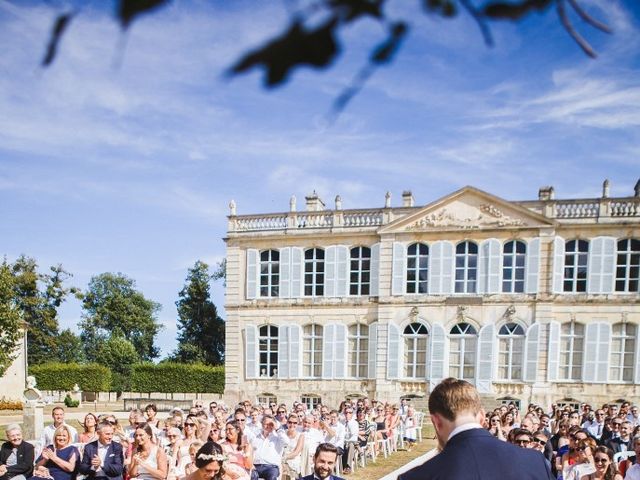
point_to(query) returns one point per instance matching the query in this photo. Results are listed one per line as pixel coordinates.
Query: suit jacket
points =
(615, 444)
(312, 477)
(25, 455)
(113, 462)
(477, 455)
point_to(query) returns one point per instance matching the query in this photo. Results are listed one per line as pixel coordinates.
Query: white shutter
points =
(531, 353)
(297, 267)
(285, 272)
(602, 251)
(374, 289)
(441, 268)
(532, 266)
(637, 364)
(489, 266)
(251, 351)
(330, 274)
(283, 352)
(558, 264)
(590, 353)
(436, 368)
(328, 352)
(554, 351)
(342, 270)
(602, 369)
(373, 349)
(340, 352)
(393, 351)
(484, 374)
(295, 342)
(399, 276)
(252, 273)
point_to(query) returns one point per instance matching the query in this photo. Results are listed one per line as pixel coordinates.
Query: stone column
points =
(33, 421)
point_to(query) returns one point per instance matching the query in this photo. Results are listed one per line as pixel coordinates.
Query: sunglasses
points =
(523, 442)
(189, 424)
(580, 449)
(292, 423)
(241, 419)
(539, 441)
(601, 459)
(281, 411)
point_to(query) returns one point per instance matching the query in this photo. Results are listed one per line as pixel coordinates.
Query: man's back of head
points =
(452, 397)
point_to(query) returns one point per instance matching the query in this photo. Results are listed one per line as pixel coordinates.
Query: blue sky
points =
(125, 161)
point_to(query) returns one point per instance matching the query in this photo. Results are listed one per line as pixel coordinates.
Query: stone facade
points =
(531, 300)
(13, 382)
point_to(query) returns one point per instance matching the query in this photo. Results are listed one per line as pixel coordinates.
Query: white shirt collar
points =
(462, 428)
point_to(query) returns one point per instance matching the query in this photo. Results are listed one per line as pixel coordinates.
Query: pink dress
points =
(234, 466)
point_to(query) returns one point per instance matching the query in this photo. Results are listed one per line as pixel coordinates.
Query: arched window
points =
(513, 260)
(623, 347)
(358, 350)
(314, 272)
(576, 256)
(360, 273)
(463, 341)
(416, 338)
(571, 351)
(510, 351)
(628, 266)
(466, 267)
(269, 273)
(417, 268)
(268, 350)
(312, 350)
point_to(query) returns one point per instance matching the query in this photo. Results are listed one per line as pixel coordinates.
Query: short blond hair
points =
(60, 429)
(452, 397)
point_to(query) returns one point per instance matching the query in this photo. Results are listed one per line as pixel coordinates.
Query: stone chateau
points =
(533, 301)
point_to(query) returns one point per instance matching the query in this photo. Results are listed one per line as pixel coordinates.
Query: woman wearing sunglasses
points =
(292, 455)
(605, 469)
(584, 464)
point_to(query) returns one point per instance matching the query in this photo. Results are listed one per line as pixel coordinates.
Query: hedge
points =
(64, 376)
(168, 377)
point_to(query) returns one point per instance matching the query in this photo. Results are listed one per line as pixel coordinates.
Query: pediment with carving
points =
(469, 209)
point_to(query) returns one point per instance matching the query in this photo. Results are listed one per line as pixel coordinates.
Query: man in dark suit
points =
(324, 461)
(469, 452)
(16, 455)
(103, 459)
(623, 442)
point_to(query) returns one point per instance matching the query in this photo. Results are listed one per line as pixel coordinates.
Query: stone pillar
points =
(33, 421)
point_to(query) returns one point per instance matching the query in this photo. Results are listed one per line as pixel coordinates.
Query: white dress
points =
(294, 464)
(152, 462)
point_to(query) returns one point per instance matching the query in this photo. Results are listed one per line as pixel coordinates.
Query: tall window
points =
(415, 350)
(513, 257)
(463, 341)
(360, 277)
(269, 273)
(623, 347)
(466, 267)
(571, 350)
(628, 265)
(268, 350)
(312, 350)
(358, 350)
(510, 351)
(576, 256)
(417, 268)
(314, 272)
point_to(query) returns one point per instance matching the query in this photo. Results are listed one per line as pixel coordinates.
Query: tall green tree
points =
(39, 297)
(113, 306)
(200, 329)
(10, 319)
(69, 347)
(119, 355)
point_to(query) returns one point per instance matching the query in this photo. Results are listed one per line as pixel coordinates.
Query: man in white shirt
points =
(350, 439)
(49, 431)
(267, 450)
(334, 431)
(596, 427)
(312, 436)
(634, 471)
(633, 416)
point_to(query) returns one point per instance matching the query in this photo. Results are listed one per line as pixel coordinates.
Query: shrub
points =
(64, 376)
(171, 377)
(10, 405)
(70, 402)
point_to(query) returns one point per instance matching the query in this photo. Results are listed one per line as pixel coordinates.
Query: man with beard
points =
(324, 461)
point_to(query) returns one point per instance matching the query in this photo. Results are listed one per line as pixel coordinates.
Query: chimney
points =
(546, 193)
(605, 189)
(407, 199)
(314, 203)
(636, 189)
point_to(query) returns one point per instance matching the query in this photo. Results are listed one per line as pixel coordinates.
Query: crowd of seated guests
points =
(583, 444)
(251, 442)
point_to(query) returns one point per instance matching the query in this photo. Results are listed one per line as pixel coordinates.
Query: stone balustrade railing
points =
(594, 208)
(362, 219)
(579, 209)
(306, 220)
(625, 208)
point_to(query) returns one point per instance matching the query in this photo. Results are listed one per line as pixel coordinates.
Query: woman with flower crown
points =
(209, 460)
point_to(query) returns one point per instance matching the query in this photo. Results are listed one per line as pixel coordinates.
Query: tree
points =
(119, 355)
(38, 297)
(200, 329)
(69, 348)
(113, 306)
(10, 319)
(312, 36)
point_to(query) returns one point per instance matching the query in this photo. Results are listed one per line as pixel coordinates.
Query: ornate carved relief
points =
(489, 216)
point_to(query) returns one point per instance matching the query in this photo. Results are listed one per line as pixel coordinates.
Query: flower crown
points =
(218, 457)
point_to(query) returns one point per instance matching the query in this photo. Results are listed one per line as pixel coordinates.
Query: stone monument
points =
(33, 413)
